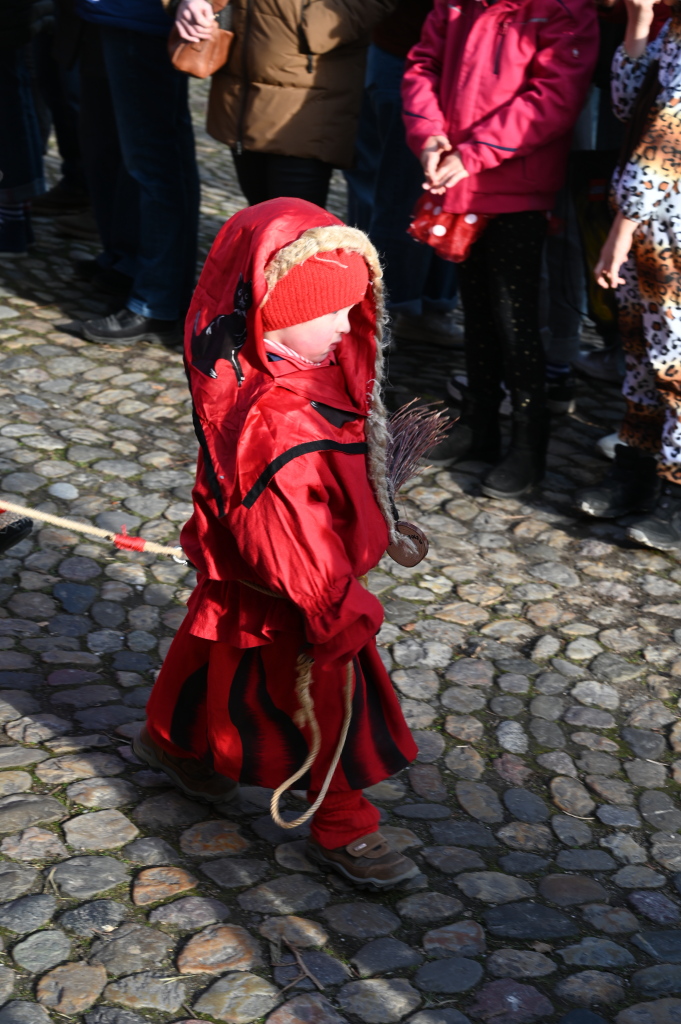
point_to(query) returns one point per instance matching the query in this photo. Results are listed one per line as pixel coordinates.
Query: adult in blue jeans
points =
(385, 182)
(156, 140)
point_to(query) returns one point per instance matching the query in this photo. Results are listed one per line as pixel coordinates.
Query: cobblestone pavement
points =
(537, 658)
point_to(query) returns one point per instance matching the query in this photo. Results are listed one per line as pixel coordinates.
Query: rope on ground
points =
(122, 540)
(306, 716)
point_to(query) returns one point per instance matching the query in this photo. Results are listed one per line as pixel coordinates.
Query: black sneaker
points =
(606, 364)
(662, 530)
(630, 485)
(13, 529)
(127, 328)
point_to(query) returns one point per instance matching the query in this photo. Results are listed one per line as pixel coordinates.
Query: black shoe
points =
(78, 225)
(127, 328)
(662, 530)
(630, 485)
(606, 364)
(13, 529)
(60, 199)
(475, 435)
(440, 329)
(525, 463)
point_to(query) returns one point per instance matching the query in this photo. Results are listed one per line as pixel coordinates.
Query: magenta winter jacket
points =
(505, 83)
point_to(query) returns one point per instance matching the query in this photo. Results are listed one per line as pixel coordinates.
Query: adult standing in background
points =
(288, 99)
(21, 155)
(385, 183)
(150, 106)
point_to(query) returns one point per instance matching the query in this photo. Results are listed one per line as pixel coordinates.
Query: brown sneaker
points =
(188, 773)
(368, 862)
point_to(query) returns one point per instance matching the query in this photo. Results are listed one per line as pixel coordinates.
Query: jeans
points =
(114, 194)
(383, 188)
(565, 285)
(21, 149)
(156, 139)
(59, 89)
(265, 176)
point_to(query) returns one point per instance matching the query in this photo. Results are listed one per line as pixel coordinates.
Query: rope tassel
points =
(305, 716)
(122, 540)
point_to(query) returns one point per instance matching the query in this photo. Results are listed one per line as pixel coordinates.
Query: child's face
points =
(315, 339)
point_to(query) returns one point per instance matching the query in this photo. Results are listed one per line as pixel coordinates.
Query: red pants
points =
(342, 818)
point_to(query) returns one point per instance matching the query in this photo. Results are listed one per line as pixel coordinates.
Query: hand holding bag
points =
(450, 234)
(204, 58)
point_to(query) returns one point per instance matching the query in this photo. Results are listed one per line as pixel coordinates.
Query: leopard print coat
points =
(648, 190)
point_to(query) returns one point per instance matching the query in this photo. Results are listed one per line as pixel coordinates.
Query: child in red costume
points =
(291, 509)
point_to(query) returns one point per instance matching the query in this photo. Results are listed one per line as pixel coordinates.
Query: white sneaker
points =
(606, 445)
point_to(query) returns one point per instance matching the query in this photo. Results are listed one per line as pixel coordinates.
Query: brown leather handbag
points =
(204, 58)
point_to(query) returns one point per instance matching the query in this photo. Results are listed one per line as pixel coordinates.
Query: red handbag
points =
(450, 234)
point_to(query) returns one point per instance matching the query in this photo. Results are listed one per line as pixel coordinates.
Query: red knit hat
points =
(322, 284)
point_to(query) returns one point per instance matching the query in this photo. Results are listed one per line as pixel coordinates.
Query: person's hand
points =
(614, 253)
(639, 20)
(448, 173)
(431, 154)
(640, 10)
(194, 20)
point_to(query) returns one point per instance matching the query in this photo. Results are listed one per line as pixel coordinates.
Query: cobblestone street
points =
(538, 658)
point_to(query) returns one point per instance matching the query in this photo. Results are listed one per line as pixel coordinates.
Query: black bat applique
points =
(224, 336)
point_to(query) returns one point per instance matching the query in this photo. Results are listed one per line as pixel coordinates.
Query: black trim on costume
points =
(211, 475)
(351, 757)
(354, 448)
(336, 417)
(246, 722)
(386, 748)
(192, 694)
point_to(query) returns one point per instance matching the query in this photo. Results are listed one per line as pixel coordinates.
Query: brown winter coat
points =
(293, 82)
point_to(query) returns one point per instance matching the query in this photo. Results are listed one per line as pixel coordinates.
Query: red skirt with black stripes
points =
(234, 708)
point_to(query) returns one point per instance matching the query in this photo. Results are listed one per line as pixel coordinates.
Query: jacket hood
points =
(225, 359)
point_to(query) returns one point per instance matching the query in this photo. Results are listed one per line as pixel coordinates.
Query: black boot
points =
(475, 435)
(525, 462)
(630, 485)
(661, 530)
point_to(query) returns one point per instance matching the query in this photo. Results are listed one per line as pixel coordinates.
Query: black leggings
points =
(499, 287)
(270, 176)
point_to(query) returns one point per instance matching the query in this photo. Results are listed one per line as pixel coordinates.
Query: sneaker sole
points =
(618, 514)
(641, 538)
(149, 757)
(361, 883)
(492, 492)
(151, 336)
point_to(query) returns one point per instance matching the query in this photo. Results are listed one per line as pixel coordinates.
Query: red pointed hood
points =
(225, 355)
